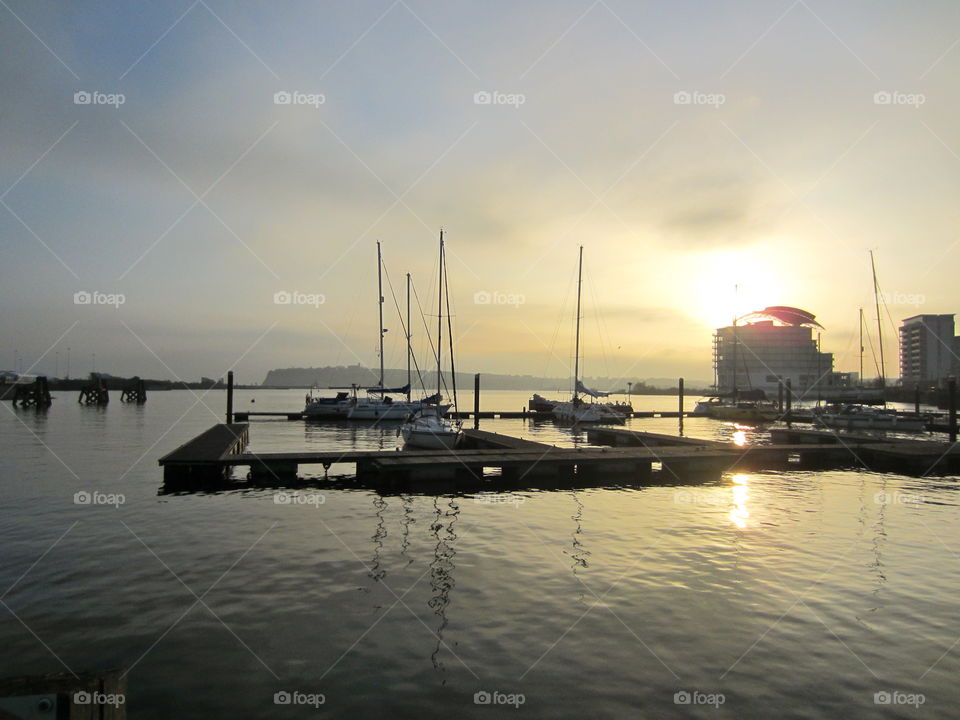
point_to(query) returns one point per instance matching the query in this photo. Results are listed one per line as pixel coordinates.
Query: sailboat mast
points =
(453, 367)
(380, 308)
(440, 317)
(576, 357)
(876, 302)
(408, 337)
(861, 346)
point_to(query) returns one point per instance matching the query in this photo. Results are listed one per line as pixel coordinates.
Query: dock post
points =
(952, 408)
(476, 401)
(780, 395)
(916, 398)
(229, 397)
(789, 399)
(680, 403)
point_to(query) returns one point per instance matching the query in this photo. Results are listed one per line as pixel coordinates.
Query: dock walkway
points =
(213, 453)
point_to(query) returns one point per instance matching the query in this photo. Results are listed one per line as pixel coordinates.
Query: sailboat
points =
(378, 403)
(428, 428)
(576, 410)
(859, 416)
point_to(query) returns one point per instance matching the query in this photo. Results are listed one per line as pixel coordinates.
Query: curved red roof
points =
(782, 314)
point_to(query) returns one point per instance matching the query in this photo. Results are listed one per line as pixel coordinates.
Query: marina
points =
(546, 360)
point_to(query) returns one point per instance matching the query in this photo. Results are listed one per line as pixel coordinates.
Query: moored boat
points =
(429, 430)
(862, 417)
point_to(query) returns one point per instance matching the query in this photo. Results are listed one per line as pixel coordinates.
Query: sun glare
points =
(732, 283)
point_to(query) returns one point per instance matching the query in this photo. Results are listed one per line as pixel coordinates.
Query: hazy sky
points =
(775, 169)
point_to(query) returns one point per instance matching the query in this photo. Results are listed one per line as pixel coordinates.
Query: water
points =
(795, 595)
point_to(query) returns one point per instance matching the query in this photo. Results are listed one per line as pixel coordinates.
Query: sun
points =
(732, 283)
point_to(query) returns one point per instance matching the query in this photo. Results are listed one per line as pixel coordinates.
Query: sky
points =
(171, 172)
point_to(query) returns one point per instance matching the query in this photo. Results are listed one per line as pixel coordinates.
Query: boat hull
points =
(365, 410)
(844, 422)
(742, 414)
(430, 441)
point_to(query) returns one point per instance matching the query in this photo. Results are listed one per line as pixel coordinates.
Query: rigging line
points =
(403, 325)
(560, 318)
(601, 324)
(873, 352)
(423, 319)
(453, 371)
(413, 355)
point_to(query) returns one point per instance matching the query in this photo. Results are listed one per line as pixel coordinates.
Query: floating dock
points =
(211, 455)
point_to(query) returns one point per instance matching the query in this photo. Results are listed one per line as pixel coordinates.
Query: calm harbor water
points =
(796, 595)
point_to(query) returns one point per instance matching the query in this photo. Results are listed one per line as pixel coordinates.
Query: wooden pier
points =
(244, 416)
(206, 457)
(211, 455)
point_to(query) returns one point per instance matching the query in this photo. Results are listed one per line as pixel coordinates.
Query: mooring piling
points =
(476, 401)
(229, 397)
(35, 394)
(680, 404)
(789, 393)
(952, 408)
(135, 391)
(95, 393)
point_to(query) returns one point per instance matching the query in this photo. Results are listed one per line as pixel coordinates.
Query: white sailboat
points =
(378, 403)
(576, 410)
(428, 428)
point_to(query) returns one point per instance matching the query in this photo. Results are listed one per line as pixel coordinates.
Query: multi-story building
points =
(927, 349)
(771, 345)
